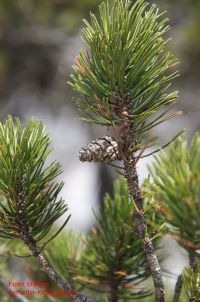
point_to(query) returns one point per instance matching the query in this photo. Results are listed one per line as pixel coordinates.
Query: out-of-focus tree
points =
(33, 35)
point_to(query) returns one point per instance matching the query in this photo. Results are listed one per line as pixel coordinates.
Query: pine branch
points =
(27, 236)
(178, 167)
(29, 205)
(123, 80)
(52, 273)
(191, 281)
(14, 296)
(178, 288)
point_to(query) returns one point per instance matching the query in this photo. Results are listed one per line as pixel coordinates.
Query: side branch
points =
(178, 288)
(25, 233)
(53, 274)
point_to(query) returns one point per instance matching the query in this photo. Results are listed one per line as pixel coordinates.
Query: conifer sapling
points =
(123, 79)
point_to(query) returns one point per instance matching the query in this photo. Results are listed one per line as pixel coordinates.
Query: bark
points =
(141, 229)
(136, 194)
(52, 273)
(26, 236)
(178, 288)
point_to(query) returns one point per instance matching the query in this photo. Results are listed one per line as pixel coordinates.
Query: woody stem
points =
(139, 218)
(25, 234)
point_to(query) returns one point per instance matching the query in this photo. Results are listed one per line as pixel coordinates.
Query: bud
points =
(104, 149)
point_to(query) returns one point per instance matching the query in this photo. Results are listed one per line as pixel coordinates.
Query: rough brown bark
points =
(136, 194)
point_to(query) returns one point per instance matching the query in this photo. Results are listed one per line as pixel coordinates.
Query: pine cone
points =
(104, 150)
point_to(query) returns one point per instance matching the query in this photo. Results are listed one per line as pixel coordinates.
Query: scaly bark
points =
(25, 233)
(136, 194)
(53, 275)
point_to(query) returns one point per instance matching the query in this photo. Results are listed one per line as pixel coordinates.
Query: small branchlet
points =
(29, 195)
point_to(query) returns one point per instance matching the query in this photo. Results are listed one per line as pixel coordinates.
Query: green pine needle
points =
(126, 57)
(113, 258)
(177, 186)
(191, 281)
(28, 191)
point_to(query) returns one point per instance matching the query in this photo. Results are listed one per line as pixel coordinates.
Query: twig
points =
(178, 288)
(14, 296)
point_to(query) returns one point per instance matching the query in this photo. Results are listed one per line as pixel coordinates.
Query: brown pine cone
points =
(104, 150)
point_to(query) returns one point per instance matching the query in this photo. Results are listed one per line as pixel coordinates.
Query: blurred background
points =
(39, 40)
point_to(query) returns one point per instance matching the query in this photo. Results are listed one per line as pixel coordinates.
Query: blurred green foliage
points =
(185, 20)
(63, 14)
(65, 252)
(191, 280)
(113, 260)
(177, 186)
